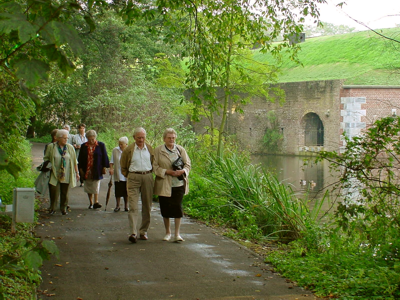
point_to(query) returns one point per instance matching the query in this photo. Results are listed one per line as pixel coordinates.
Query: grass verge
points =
(252, 207)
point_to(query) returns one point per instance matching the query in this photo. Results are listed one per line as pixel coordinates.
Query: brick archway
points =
(313, 130)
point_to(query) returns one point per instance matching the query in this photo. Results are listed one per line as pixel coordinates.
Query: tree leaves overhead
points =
(29, 25)
(65, 34)
(31, 71)
(17, 21)
(35, 37)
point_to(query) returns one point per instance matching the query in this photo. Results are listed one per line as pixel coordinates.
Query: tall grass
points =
(252, 200)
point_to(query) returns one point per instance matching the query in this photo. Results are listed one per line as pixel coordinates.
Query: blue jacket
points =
(100, 158)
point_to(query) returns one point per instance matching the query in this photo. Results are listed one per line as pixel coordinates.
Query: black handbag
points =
(178, 164)
(44, 166)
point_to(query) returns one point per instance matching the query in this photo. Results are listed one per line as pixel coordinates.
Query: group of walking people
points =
(83, 158)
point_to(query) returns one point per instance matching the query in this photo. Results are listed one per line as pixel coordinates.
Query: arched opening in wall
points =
(313, 130)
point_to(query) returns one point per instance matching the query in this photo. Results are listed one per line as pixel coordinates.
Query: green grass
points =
(361, 58)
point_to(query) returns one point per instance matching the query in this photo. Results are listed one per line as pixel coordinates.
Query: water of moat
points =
(303, 177)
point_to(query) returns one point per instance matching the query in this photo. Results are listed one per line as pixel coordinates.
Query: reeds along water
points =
(258, 196)
(305, 178)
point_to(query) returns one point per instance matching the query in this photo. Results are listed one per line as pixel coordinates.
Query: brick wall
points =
(380, 101)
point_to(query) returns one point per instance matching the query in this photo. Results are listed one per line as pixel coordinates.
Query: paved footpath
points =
(98, 262)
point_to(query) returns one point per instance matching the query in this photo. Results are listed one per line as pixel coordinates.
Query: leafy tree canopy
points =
(217, 35)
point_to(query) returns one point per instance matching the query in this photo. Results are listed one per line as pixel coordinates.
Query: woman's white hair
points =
(169, 130)
(137, 130)
(61, 132)
(124, 140)
(90, 133)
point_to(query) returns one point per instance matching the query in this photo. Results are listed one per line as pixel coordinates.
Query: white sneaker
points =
(167, 237)
(178, 238)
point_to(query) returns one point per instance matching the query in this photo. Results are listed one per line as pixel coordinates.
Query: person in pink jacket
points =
(171, 182)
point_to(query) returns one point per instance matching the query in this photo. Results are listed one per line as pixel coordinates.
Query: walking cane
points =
(108, 192)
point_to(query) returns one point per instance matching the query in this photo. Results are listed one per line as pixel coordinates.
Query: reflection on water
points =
(295, 171)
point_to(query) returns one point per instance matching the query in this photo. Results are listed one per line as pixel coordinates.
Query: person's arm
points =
(77, 172)
(173, 173)
(47, 154)
(82, 159)
(186, 167)
(75, 142)
(186, 160)
(123, 162)
(160, 172)
(106, 162)
(74, 160)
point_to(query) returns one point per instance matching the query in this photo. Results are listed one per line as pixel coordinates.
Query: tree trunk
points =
(30, 133)
(226, 97)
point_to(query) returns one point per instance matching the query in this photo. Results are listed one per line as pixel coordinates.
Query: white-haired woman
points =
(93, 161)
(70, 136)
(64, 170)
(119, 178)
(171, 184)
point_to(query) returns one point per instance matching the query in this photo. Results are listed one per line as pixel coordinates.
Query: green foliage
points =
(218, 36)
(340, 267)
(124, 81)
(357, 256)
(273, 136)
(34, 36)
(142, 105)
(15, 165)
(21, 256)
(369, 181)
(28, 27)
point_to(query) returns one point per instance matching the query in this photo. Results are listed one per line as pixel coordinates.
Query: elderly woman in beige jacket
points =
(171, 185)
(64, 170)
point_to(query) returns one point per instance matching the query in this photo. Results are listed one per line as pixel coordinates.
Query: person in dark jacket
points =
(93, 162)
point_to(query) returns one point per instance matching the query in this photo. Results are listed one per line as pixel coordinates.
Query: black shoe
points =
(126, 209)
(117, 209)
(52, 212)
(64, 212)
(133, 238)
(90, 206)
(97, 205)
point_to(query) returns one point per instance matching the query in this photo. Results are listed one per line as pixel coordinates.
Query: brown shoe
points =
(144, 237)
(132, 238)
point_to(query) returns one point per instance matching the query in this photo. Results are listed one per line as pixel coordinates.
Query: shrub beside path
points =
(98, 262)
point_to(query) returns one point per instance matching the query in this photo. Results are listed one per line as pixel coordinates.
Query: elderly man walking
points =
(136, 165)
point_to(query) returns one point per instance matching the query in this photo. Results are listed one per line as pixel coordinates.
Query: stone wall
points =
(339, 108)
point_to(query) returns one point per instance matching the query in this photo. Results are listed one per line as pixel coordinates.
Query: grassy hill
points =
(361, 58)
